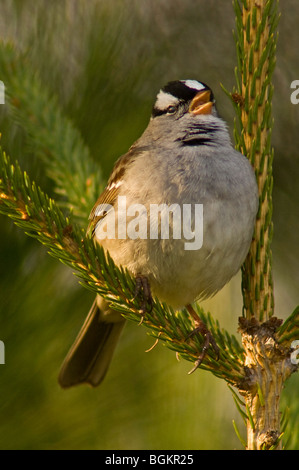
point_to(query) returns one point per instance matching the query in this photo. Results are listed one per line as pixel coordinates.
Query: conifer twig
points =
(50, 134)
(267, 354)
(259, 367)
(37, 214)
(256, 39)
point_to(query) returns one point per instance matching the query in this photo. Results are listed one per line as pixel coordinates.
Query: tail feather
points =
(90, 356)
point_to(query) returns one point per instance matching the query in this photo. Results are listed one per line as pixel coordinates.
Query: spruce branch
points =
(256, 38)
(41, 218)
(55, 140)
(289, 330)
(50, 134)
(259, 367)
(266, 341)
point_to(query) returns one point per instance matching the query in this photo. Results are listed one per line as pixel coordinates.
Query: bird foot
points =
(143, 287)
(208, 338)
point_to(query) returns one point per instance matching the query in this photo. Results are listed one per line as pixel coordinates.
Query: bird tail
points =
(89, 358)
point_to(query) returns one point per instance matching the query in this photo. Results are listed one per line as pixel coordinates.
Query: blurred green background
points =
(105, 61)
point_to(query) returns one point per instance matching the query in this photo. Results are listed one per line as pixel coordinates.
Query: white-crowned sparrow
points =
(184, 157)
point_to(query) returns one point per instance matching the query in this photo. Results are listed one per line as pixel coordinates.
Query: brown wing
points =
(110, 193)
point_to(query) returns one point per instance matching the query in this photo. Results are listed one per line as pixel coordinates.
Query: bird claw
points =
(208, 339)
(143, 288)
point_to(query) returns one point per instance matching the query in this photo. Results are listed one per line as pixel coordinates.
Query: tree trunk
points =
(267, 366)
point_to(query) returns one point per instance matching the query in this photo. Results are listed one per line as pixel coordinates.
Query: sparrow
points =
(183, 160)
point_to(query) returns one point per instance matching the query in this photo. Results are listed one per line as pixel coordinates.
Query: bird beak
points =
(201, 103)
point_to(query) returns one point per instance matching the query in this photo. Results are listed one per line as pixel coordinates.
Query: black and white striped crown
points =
(177, 92)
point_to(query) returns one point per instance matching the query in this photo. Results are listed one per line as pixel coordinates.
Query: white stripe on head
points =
(164, 100)
(194, 84)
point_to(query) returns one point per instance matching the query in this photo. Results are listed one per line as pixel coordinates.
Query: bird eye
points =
(171, 109)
